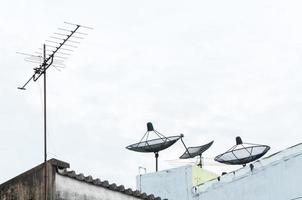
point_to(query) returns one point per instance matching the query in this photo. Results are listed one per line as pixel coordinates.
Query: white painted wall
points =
(275, 178)
(174, 184)
(70, 189)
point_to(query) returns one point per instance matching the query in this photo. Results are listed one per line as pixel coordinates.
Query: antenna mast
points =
(51, 59)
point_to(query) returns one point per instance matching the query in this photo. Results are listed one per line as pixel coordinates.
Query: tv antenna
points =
(242, 153)
(54, 52)
(147, 145)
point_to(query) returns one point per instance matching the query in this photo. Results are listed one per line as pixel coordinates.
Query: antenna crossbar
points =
(28, 54)
(79, 25)
(78, 37)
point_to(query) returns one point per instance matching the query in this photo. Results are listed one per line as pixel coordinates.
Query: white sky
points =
(211, 70)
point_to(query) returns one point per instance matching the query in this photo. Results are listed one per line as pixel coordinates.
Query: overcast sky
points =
(211, 70)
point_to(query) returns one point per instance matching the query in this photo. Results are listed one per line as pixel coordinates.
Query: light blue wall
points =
(173, 184)
(275, 178)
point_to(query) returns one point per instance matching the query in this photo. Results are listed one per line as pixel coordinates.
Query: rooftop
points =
(105, 184)
(251, 169)
(61, 168)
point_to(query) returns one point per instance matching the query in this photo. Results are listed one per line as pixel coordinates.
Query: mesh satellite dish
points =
(192, 152)
(147, 145)
(242, 153)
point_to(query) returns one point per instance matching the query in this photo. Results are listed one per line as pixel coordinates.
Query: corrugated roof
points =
(106, 184)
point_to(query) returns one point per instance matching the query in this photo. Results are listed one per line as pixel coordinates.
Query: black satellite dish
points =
(242, 153)
(153, 145)
(192, 152)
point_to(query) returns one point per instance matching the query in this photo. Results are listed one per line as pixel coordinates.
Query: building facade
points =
(65, 185)
(276, 177)
(175, 183)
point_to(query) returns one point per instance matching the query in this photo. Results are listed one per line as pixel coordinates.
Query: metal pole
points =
(156, 161)
(200, 160)
(45, 133)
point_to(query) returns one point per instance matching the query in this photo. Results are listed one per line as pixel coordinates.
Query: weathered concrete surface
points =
(30, 185)
(71, 189)
(65, 185)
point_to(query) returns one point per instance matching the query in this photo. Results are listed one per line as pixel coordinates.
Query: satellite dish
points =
(242, 153)
(153, 145)
(192, 152)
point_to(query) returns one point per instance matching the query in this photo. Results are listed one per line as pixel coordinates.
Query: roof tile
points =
(105, 184)
(89, 179)
(121, 188)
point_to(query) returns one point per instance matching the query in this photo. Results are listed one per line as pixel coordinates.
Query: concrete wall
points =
(174, 184)
(67, 188)
(274, 178)
(28, 186)
(277, 177)
(200, 175)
